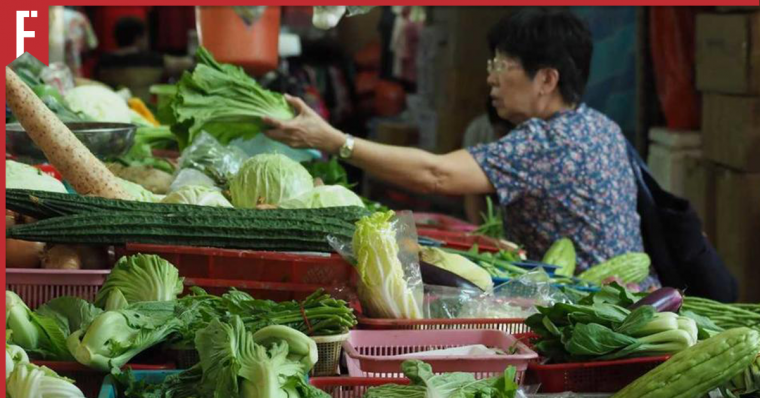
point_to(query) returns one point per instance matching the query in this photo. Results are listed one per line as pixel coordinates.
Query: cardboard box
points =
(731, 129)
(669, 151)
(728, 53)
(699, 187)
(738, 228)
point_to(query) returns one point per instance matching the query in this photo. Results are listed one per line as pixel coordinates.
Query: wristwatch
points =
(348, 148)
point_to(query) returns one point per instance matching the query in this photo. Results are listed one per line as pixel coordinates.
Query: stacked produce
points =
(26, 380)
(603, 326)
(425, 383)
(77, 219)
(138, 308)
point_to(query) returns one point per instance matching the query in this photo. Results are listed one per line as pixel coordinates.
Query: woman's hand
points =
(306, 130)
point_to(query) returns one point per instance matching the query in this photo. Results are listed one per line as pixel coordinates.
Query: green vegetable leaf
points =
(636, 320)
(596, 340)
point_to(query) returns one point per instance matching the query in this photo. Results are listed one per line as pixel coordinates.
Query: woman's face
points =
(514, 94)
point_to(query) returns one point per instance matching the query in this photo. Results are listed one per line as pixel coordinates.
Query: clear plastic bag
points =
(217, 161)
(517, 298)
(385, 253)
(194, 177)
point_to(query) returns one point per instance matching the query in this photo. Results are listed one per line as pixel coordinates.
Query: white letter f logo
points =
(21, 34)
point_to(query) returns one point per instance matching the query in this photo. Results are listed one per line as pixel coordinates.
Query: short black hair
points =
(128, 30)
(541, 37)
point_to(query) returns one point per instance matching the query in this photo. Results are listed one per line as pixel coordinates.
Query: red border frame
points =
(39, 49)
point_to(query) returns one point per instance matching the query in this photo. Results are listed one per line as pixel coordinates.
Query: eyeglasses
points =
(497, 65)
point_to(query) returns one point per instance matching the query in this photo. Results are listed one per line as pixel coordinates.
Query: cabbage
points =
(323, 196)
(271, 178)
(138, 192)
(22, 176)
(383, 289)
(99, 103)
(197, 195)
(30, 381)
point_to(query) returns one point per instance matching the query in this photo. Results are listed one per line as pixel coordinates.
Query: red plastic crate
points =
(90, 380)
(38, 286)
(351, 387)
(459, 240)
(591, 377)
(442, 222)
(509, 326)
(266, 275)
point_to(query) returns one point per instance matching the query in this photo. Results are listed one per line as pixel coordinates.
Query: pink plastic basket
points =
(38, 286)
(509, 326)
(378, 353)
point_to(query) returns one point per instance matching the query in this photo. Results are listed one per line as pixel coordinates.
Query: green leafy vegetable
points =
(38, 334)
(197, 195)
(323, 196)
(269, 179)
(599, 327)
(115, 337)
(383, 288)
(222, 94)
(426, 384)
(142, 277)
(146, 140)
(234, 364)
(31, 381)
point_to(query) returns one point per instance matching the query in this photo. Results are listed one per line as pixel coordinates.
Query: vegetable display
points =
(30, 381)
(600, 327)
(222, 100)
(70, 157)
(22, 176)
(426, 384)
(98, 103)
(142, 277)
(725, 316)
(269, 179)
(323, 196)
(197, 195)
(562, 254)
(43, 205)
(382, 287)
(628, 268)
(699, 369)
(235, 363)
(459, 265)
(317, 315)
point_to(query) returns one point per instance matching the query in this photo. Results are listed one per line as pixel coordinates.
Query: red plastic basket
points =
(591, 377)
(351, 387)
(442, 222)
(90, 380)
(509, 326)
(265, 275)
(38, 286)
(459, 240)
(380, 353)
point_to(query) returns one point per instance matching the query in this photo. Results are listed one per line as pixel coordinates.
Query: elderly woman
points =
(562, 172)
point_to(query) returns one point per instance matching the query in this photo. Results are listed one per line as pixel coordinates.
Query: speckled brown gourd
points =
(87, 174)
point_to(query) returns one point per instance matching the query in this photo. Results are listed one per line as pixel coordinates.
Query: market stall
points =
(169, 249)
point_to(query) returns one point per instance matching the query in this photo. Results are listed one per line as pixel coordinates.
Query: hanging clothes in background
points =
(79, 38)
(404, 42)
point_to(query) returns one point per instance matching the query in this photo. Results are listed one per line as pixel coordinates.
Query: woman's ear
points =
(548, 79)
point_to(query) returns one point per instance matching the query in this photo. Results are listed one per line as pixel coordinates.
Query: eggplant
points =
(666, 299)
(432, 275)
